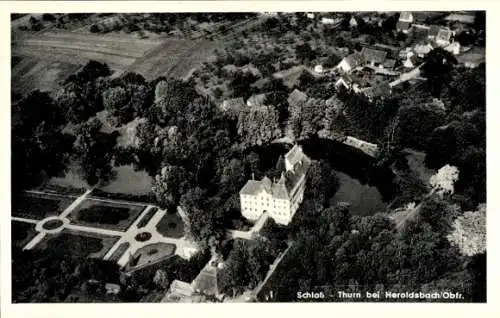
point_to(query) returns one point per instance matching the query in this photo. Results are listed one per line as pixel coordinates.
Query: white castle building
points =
(281, 198)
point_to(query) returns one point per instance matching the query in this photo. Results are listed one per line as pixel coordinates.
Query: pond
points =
(126, 181)
(365, 186)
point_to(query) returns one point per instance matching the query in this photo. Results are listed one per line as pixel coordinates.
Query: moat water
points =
(365, 186)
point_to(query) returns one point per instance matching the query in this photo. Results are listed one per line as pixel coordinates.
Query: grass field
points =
(44, 74)
(113, 216)
(44, 59)
(22, 233)
(38, 207)
(77, 244)
(171, 225)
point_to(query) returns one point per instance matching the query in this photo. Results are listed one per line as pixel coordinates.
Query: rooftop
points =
(233, 104)
(297, 97)
(372, 55)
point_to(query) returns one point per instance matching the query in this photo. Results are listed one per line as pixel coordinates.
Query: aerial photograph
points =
(248, 157)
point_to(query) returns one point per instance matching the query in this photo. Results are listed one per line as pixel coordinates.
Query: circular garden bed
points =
(52, 224)
(143, 236)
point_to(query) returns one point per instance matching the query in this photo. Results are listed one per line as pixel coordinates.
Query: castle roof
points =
(289, 179)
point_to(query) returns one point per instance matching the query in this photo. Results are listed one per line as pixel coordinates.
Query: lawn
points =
(171, 225)
(113, 216)
(151, 254)
(22, 233)
(80, 244)
(38, 207)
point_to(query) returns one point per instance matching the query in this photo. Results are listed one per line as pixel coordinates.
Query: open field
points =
(171, 225)
(174, 58)
(45, 59)
(30, 72)
(112, 216)
(38, 207)
(78, 244)
(22, 233)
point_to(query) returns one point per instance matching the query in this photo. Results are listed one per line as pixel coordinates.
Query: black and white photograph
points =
(248, 157)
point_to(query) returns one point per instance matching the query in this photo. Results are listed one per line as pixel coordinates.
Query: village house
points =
(348, 82)
(296, 98)
(380, 90)
(181, 288)
(207, 281)
(373, 57)
(256, 100)
(443, 38)
(350, 62)
(461, 17)
(422, 49)
(412, 60)
(112, 288)
(325, 20)
(319, 69)
(310, 15)
(433, 31)
(406, 16)
(233, 105)
(453, 48)
(353, 22)
(279, 198)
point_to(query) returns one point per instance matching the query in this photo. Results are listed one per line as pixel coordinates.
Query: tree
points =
(161, 279)
(437, 69)
(94, 151)
(443, 181)
(469, 232)
(304, 52)
(169, 185)
(415, 124)
(115, 98)
(259, 126)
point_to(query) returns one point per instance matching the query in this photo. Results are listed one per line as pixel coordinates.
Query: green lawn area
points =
(171, 225)
(22, 233)
(38, 207)
(151, 253)
(78, 244)
(113, 216)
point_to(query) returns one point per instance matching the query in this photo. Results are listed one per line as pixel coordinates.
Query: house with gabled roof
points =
(406, 16)
(279, 198)
(234, 104)
(373, 57)
(297, 97)
(433, 31)
(403, 26)
(256, 100)
(443, 38)
(351, 62)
